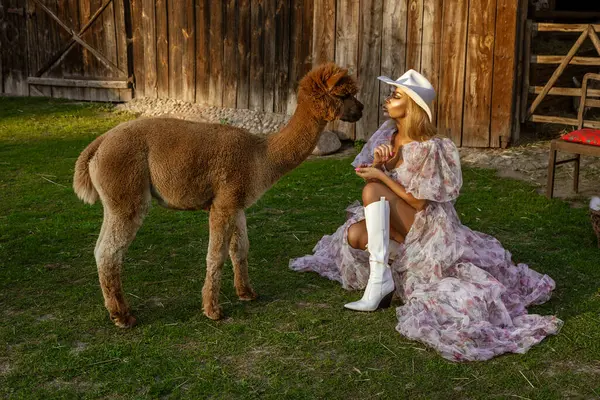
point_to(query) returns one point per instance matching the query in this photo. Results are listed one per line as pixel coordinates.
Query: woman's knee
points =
(372, 192)
(355, 236)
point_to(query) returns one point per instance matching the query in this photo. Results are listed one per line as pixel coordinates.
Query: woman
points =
(462, 293)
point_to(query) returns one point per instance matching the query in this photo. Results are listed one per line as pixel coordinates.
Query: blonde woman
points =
(461, 292)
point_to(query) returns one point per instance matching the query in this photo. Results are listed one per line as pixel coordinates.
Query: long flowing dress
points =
(461, 292)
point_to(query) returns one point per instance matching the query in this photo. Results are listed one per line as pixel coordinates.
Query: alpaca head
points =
(330, 93)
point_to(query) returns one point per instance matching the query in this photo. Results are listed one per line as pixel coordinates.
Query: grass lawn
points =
(295, 341)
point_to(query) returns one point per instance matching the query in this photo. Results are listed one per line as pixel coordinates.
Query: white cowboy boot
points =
(380, 287)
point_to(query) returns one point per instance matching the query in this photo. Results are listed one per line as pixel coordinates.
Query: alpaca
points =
(191, 166)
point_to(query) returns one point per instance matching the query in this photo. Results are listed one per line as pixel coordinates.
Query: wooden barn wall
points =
(251, 54)
(36, 41)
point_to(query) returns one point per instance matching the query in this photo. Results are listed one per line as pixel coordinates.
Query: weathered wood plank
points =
(452, 72)
(162, 49)
(122, 59)
(15, 61)
(592, 103)
(215, 80)
(346, 50)
(202, 51)
(87, 58)
(188, 44)
(551, 27)
(43, 50)
(479, 74)
(32, 47)
(72, 64)
(324, 31)
(504, 74)
(175, 21)
(137, 30)
(371, 24)
(125, 95)
(150, 45)
(103, 66)
(109, 47)
(393, 62)
(68, 68)
(414, 34)
(256, 96)
(103, 84)
(109, 39)
(536, 59)
(559, 91)
(243, 54)
(323, 37)
(282, 55)
(307, 37)
(296, 60)
(432, 46)
(269, 55)
(230, 63)
(53, 37)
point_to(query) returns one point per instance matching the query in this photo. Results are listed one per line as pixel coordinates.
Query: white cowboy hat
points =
(416, 86)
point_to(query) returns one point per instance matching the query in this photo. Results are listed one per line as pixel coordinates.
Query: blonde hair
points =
(418, 125)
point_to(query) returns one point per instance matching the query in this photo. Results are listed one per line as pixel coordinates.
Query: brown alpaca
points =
(192, 166)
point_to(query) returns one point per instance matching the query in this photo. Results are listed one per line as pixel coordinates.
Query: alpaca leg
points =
(100, 237)
(238, 251)
(221, 226)
(116, 235)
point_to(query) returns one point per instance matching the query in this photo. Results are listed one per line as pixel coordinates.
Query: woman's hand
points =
(382, 154)
(370, 173)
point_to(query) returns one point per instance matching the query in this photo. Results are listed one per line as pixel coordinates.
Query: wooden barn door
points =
(78, 49)
(13, 48)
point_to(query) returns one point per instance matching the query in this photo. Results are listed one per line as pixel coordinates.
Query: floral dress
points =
(461, 292)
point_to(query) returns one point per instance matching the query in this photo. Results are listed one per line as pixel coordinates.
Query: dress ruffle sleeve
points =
(381, 136)
(431, 170)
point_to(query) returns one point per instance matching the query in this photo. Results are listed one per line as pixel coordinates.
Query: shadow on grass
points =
(15, 107)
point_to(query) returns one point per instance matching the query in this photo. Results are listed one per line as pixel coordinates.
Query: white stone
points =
(328, 143)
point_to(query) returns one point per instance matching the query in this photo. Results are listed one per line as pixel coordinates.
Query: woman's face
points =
(396, 104)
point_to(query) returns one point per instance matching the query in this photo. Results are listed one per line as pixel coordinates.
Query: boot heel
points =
(386, 301)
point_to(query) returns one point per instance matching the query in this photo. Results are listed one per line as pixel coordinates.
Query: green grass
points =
(295, 341)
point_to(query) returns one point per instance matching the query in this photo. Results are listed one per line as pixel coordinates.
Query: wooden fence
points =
(586, 31)
(251, 53)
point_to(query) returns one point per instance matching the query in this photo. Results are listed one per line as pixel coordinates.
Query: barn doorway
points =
(560, 46)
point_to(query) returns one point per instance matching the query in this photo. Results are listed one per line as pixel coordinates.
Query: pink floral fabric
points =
(461, 292)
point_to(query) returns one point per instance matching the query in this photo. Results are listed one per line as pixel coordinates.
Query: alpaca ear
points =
(331, 82)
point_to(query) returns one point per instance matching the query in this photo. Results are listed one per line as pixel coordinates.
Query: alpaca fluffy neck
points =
(295, 142)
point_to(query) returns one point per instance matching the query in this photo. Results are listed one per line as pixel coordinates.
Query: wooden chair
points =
(572, 147)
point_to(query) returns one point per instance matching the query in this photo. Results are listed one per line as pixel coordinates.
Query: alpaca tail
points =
(82, 183)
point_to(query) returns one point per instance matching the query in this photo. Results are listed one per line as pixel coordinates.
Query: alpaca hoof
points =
(247, 294)
(214, 313)
(124, 321)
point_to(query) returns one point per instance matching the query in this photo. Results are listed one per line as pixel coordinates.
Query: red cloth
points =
(584, 135)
